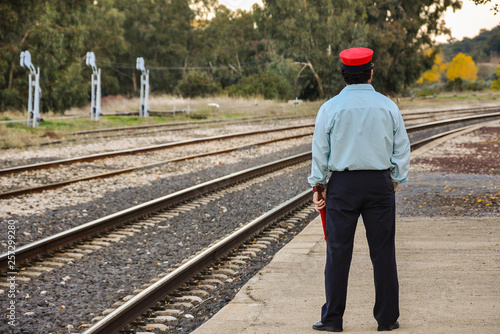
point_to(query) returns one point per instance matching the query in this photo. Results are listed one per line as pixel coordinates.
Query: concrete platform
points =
(449, 273)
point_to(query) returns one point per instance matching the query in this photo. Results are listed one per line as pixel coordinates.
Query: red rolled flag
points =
(322, 212)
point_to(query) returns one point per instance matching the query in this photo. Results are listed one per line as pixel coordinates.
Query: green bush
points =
(267, 84)
(12, 99)
(197, 83)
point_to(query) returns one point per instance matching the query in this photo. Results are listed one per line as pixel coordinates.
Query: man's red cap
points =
(356, 56)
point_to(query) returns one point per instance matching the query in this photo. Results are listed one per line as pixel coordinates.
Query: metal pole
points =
(30, 100)
(34, 93)
(146, 96)
(141, 108)
(92, 101)
(36, 111)
(95, 79)
(144, 108)
(98, 99)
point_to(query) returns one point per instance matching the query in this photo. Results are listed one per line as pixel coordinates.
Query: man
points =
(361, 139)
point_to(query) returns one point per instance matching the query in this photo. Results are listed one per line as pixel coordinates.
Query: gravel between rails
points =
(32, 155)
(65, 172)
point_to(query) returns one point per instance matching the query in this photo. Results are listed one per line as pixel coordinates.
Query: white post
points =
(144, 107)
(92, 98)
(141, 107)
(98, 98)
(38, 93)
(35, 92)
(95, 104)
(32, 80)
(146, 96)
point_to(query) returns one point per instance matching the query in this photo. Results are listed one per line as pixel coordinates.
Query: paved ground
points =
(449, 272)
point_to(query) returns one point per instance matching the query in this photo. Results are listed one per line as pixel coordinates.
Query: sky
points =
(241, 4)
(466, 22)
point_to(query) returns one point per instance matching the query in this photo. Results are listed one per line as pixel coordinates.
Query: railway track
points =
(23, 191)
(47, 245)
(70, 237)
(134, 307)
(156, 128)
(433, 115)
(98, 156)
(418, 134)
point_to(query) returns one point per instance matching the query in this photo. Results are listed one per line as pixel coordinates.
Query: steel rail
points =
(193, 123)
(55, 185)
(429, 139)
(137, 305)
(65, 238)
(434, 124)
(97, 156)
(169, 127)
(461, 111)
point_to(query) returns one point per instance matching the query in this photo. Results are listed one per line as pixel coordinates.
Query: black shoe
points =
(387, 328)
(318, 325)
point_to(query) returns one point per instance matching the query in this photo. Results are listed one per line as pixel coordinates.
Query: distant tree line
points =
(455, 68)
(481, 48)
(283, 50)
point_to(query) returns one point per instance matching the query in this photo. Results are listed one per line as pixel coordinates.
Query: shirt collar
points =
(358, 87)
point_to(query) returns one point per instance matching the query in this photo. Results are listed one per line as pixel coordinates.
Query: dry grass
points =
(460, 101)
(15, 135)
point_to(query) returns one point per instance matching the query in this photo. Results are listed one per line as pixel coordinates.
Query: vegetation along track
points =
(419, 134)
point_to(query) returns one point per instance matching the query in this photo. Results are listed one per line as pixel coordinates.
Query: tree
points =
(197, 83)
(462, 67)
(54, 34)
(268, 84)
(437, 70)
(105, 37)
(399, 31)
(312, 33)
(495, 7)
(228, 45)
(496, 83)
(160, 32)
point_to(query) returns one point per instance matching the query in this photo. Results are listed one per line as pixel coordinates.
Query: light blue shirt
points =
(359, 129)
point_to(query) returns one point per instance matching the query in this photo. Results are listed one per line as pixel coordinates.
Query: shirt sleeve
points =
(320, 150)
(400, 159)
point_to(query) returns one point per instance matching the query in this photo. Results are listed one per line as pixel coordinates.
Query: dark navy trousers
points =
(369, 193)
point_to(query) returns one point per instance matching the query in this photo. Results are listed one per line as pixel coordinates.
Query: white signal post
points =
(144, 108)
(95, 108)
(35, 93)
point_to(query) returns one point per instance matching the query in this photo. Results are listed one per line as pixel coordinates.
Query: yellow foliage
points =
(434, 74)
(463, 67)
(496, 83)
